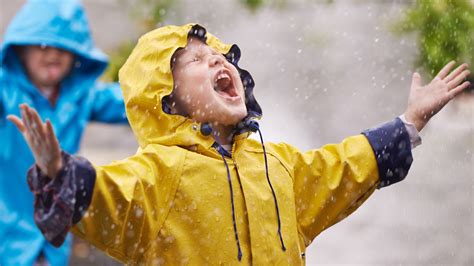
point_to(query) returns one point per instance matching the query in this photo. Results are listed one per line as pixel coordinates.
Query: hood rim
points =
(233, 55)
(146, 80)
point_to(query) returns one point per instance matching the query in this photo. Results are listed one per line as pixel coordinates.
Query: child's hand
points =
(425, 101)
(41, 139)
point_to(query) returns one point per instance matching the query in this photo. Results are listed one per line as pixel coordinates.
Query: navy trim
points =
(391, 145)
(84, 176)
(62, 202)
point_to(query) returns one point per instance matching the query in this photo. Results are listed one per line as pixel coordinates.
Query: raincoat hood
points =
(146, 80)
(57, 23)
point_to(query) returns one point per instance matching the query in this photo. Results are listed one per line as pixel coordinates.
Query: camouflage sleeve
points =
(61, 202)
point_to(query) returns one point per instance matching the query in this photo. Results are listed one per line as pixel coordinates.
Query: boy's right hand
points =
(41, 140)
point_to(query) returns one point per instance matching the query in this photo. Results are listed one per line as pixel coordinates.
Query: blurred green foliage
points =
(445, 31)
(116, 59)
(253, 5)
(149, 13)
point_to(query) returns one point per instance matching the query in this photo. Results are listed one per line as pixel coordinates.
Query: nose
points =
(215, 60)
(53, 52)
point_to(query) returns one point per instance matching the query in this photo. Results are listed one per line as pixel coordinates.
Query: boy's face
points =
(46, 66)
(207, 87)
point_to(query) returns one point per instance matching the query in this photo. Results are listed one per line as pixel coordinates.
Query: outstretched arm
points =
(425, 101)
(333, 181)
(62, 184)
(105, 205)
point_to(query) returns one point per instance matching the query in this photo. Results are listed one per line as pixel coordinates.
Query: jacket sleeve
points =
(108, 105)
(120, 212)
(61, 202)
(333, 181)
(130, 201)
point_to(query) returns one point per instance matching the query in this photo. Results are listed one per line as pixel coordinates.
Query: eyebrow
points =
(180, 52)
(185, 52)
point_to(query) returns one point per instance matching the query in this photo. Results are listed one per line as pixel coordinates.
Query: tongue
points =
(222, 84)
(53, 72)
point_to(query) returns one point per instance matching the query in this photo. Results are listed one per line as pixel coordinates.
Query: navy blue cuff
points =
(61, 202)
(391, 145)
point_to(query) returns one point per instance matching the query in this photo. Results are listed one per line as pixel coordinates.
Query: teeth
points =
(222, 81)
(222, 76)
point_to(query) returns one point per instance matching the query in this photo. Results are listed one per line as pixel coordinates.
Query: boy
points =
(199, 191)
(49, 61)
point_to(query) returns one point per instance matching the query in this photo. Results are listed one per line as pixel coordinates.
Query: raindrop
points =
(138, 212)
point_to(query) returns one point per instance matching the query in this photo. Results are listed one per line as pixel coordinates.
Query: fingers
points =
(17, 122)
(25, 119)
(455, 73)
(53, 141)
(446, 69)
(33, 122)
(416, 80)
(452, 93)
(37, 122)
(458, 79)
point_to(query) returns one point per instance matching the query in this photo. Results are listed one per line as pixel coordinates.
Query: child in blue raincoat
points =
(49, 61)
(199, 191)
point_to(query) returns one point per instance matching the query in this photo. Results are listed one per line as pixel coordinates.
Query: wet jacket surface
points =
(82, 99)
(182, 199)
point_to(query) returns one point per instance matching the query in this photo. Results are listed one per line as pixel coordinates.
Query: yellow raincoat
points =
(170, 203)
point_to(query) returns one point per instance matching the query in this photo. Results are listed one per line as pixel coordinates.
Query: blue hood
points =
(58, 23)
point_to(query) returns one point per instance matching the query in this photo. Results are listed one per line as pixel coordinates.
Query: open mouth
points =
(224, 85)
(53, 69)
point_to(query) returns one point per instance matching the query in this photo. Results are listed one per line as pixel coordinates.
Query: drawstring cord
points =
(253, 126)
(222, 151)
(273, 191)
(239, 251)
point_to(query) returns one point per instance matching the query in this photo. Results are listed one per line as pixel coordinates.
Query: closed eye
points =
(193, 60)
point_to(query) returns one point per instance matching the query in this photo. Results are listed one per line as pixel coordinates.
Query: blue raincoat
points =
(62, 24)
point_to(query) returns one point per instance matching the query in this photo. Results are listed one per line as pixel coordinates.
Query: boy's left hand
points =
(425, 101)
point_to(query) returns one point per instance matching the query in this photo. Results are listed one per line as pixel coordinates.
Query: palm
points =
(41, 140)
(426, 101)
